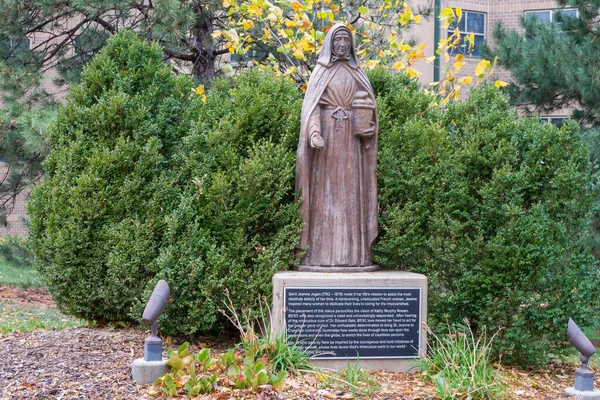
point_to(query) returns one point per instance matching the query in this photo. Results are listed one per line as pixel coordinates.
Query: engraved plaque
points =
(367, 322)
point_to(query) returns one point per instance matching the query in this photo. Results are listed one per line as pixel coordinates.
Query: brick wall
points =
(16, 220)
(510, 13)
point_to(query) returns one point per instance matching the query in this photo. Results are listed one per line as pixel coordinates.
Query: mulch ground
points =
(93, 363)
(70, 364)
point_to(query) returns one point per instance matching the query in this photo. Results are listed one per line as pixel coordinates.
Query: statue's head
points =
(338, 46)
(341, 44)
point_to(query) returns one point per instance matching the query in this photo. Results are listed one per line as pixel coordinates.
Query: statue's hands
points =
(316, 141)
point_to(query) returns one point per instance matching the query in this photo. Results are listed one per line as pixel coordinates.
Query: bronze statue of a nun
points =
(336, 161)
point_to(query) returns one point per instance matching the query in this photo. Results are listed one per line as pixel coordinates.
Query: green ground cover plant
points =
(194, 374)
(261, 361)
(16, 317)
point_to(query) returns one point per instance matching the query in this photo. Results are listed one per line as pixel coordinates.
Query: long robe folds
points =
(337, 183)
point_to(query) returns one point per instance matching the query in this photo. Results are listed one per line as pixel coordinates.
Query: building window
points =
(15, 46)
(558, 121)
(549, 16)
(251, 55)
(470, 23)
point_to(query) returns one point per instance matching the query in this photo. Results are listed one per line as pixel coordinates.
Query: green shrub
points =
(237, 222)
(494, 209)
(98, 218)
(146, 182)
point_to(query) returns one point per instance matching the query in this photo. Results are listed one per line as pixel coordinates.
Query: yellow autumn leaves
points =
(296, 30)
(453, 49)
(200, 92)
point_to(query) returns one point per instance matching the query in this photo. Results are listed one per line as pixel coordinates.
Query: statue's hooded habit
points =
(337, 182)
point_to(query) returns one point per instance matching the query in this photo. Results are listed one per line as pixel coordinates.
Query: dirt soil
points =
(84, 363)
(33, 296)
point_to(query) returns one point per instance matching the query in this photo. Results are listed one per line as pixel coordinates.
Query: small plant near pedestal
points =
(285, 354)
(358, 380)
(459, 365)
(354, 380)
(259, 363)
(201, 373)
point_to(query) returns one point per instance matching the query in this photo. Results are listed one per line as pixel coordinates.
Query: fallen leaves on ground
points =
(85, 363)
(72, 364)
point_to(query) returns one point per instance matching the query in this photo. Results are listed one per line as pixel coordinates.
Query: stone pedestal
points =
(589, 395)
(146, 372)
(362, 306)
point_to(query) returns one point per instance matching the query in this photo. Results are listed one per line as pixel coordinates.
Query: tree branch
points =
(220, 52)
(109, 27)
(180, 56)
(60, 45)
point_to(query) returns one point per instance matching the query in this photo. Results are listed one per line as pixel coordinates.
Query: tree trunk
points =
(204, 65)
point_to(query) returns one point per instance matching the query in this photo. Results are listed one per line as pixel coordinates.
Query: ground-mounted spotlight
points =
(156, 305)
(146, 370)
(584, 378)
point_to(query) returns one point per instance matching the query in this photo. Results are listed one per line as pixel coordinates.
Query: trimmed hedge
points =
(237, 222)
(145, 182)
(98, 219)
(495, 210)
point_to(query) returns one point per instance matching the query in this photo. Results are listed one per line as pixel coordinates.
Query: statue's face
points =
(341, 44)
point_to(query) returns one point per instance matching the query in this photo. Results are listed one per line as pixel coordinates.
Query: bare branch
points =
(179, 55)
(70, 33)
(220, 52)
(109, 27)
